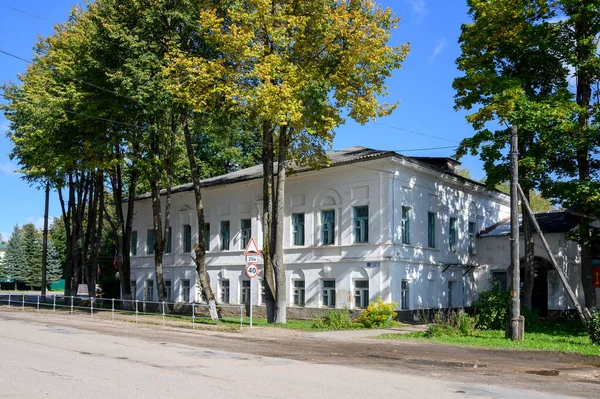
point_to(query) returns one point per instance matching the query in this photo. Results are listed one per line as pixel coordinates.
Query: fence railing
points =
(194, 312)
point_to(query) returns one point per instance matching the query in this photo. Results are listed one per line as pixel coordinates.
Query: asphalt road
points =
(44, 360)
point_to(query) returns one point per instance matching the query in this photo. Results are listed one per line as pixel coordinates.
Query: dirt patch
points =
(575, 374)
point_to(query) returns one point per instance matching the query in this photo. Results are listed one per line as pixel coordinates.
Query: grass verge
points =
(567, 336)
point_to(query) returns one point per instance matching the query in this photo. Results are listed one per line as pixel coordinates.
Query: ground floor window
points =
(133, 289)
(185, 290)
(149, 290)
(224, 291)
(298, 292)
(361, 293)
(263, 295)
(329, 293)
(404, 295)
(246, 291)
(169, 290)
(501, 279)
(452, 293)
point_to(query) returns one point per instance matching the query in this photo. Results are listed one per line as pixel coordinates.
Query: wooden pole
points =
(516, 328)
(45, 243)
(583, 312)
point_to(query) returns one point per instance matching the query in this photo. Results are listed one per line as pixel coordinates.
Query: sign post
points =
(252, 254)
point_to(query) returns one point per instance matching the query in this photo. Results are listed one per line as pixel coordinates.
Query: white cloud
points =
(440, 46)
(419, 10)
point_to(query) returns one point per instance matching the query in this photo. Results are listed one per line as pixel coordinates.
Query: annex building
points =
(373, 223)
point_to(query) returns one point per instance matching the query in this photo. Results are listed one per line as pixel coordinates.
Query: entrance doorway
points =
(539, 300)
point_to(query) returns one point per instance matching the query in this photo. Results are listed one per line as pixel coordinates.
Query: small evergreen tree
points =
(53, 269)
(32, 248)
(14, 264)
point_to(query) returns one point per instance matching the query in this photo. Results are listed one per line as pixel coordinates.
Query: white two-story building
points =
(374, 223)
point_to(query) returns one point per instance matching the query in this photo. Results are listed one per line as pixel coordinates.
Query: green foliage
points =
(336, 320)
(491, 308)
(378, 314)
(594, 328)
(456, 323)
(532, 319)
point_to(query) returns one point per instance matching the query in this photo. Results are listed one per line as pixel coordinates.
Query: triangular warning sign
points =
(252, 248)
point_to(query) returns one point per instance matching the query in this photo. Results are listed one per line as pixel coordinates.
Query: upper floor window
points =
(472, 227)
(431, 229)
(452, 234)
(169, 239)
(246, 232)
(207, 236)
(361, 224)
(328, 227)
(225, 235)
(133, 249)
(187, 238)
(405, 225)
(150, 242)
(298, 228)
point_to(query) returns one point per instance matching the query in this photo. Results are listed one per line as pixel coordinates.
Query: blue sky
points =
(424, 87)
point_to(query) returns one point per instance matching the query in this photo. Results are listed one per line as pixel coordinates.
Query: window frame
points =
(186, 232)
(225, 235)
(361, 293)
(148, 289)
(133, 243)
(298, 229)
(185, 288)
(453, 234)
(360, 224)
(327, 299)
(245, 292)
(169, 246)
(169, 290)
(299, 293)
(327, 227)
(405, 294)
(431, 226)
(150, 242)
(246, 232)
(405, 225)
(471, 237)
(225, 290)
(207, 237)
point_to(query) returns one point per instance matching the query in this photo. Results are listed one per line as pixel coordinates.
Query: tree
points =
(293, 67)
(14, 263)
(32, 250)
(54, 272)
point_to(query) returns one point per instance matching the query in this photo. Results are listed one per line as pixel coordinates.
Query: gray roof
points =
(339, 157)
(555, 221)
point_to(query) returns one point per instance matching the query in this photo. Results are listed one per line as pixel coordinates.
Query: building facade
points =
(374, 223)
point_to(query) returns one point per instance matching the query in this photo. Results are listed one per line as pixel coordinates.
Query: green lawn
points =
(567, 336)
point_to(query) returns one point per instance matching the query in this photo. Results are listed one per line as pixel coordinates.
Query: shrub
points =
(464, 324)
(454, 324)
(336, 320)
(532, 318)
(491, 308)
(378, 314)
(594, 328)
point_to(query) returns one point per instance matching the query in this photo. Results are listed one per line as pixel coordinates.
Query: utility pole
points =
(45, 243)
(516, 326)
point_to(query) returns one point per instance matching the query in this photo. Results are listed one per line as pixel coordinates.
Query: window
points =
(329, 293)
(185, 290)
(150, 242)
(298, 228)
(246, 291)
(361, 224)
(431, 229)
(263, 295)
(328, 227)
(225, 235)
(225, 291)
(405, 225)
(472, 237)
(133, 289)
(361, 293)
(500, 278)
(404, 295)
(246, 232)
(149, 290)
(451, 294)
(452, 234)
(299, 292)
(187, 238)
(133, 250)
(169, 289)
(169, 236)
(207, 236)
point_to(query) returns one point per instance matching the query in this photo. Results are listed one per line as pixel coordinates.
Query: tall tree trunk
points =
(200, 246)
(277, 229)
(45, 242)
(269, 274)
(158, 236)
(585, 53)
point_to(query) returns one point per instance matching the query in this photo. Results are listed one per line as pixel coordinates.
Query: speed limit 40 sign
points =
(251, 270)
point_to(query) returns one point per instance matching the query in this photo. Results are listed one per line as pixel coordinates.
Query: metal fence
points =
(182, 311)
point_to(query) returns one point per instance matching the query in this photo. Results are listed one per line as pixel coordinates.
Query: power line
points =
(417, 133)
(22, 12)
(70, 77)
(411, 149)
